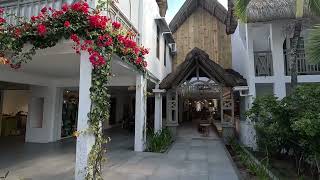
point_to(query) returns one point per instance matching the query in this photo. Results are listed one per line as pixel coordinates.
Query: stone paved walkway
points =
(188, 159)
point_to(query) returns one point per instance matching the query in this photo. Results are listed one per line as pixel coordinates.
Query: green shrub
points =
(159, 142)
(290, 125)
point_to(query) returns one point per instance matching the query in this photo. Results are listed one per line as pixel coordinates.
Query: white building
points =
(44, 89)
(259, 52)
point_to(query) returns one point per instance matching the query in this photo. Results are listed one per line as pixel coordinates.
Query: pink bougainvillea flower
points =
(17, 32)
(97, 21)
(144, 51)
(81, 7)
(44, 10)
(144, 64)
(42, 29)
(65, 7)
(138, 60)
(2, 21)
(67, 24)
(34, 18)
(96, 59)
(116, 25)
(1, 11)
(75, 38)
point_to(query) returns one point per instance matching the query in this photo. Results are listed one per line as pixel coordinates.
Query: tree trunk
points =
(293, 54)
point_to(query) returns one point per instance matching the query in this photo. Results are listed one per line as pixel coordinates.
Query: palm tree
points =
(303, 8)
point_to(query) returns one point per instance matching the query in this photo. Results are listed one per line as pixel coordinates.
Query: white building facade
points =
(259, 52)
(55, 70)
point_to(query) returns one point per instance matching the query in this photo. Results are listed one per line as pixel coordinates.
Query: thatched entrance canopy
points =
(198, 57)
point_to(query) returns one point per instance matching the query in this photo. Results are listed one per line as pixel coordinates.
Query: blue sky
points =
(174, 6)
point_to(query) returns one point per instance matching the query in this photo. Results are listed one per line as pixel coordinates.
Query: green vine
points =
(92, 33)
(98, 114)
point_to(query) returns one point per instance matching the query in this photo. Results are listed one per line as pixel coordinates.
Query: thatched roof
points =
(231, 21)
(163, 7)
(198, 57)
(212, 6)
(268, 10)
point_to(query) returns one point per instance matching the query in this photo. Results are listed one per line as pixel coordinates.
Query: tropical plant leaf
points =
(314, 6)
(241, 9)
(313, 45)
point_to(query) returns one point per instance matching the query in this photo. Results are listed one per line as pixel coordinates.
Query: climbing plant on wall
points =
(91, 32)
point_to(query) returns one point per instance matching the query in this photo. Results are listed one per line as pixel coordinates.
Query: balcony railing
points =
(303, 66)
(116, 15)
(29, 8)
(263, 63)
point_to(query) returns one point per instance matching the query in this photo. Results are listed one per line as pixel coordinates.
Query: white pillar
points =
(250, 67)
(276, 41)
(140, 114)
(84, 141)
(158, 109)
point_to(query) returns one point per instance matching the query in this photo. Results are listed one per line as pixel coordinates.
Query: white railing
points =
(263, 63)
(303, 66)
(116, 15)
(29, 8)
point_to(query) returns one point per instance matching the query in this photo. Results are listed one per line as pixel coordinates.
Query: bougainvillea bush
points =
(91, 32)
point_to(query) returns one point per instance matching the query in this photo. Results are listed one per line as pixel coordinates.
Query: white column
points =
(84, 141)
(276, 41)
(140, 114)
(250, 67)
(158, 109)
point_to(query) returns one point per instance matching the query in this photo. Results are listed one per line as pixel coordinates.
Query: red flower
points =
(116, 25)
(96, 59)
(97, 21)
(2, 21)
(44, 10)
(17, 32)
(80, 6)
(42, 29)
(144, 51)
(138, 60)
(144, 64)
(1, 11)
(75, 38)
(34, 18)
(56, 14)
(65, 7)
(67, 24)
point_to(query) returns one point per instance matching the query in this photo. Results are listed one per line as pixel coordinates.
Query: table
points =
(205, 127)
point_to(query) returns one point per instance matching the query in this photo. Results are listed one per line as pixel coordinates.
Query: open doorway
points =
(14, 99)
(69, 112)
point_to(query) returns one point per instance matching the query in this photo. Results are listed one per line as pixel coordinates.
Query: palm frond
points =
(313, 45)
(314, 6)
(241, 9)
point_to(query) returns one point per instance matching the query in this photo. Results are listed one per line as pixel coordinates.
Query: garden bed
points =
(283, 167)
(248, 166)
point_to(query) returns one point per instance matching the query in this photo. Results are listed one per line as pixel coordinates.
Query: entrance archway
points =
(201, 89)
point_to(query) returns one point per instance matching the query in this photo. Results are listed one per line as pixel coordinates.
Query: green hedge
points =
(290, 126)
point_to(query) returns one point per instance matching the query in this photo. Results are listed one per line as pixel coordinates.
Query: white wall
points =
(15, 101)
(239, 57)
(130, 8)
(51, 115)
